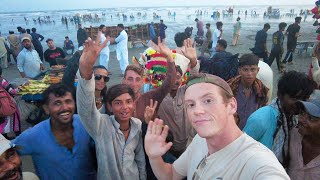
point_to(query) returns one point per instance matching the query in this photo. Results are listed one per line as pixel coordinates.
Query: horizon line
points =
(211, 6)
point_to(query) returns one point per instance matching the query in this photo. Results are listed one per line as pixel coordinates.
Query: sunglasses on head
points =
(98, 77)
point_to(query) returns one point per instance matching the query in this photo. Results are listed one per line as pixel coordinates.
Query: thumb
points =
(167, 146)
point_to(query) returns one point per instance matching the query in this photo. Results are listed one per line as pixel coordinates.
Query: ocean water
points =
(184, 17)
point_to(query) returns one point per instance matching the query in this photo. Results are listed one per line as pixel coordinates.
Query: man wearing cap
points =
(23, 33)
(67, 45)
(220, 150)
(28, 60)
(122, 48)
(270, 125)
(304, 149)
(293, 34)
(53, 52)
(10, 162)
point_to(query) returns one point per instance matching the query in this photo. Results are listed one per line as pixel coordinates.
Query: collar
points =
(26, 50)
(134, 122)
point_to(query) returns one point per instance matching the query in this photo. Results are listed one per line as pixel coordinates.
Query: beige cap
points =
(5, 144)
(24, 38)
(209, 78)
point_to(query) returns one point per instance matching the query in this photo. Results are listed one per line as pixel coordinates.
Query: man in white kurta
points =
(122, 48)
(105, 52)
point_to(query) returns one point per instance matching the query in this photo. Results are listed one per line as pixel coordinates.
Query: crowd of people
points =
(206, 117)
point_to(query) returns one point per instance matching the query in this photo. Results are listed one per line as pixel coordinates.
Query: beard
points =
(28, 47)
(11, 173)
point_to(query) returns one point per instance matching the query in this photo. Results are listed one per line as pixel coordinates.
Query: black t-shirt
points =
(292, 30)
(51, 55)
(261, 39)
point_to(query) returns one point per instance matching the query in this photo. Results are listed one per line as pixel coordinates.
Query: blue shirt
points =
(68, 45)
(246, 105)
(163, 28)
(262, 124)
(54, 161)
(35, 39)
(152, 32)
(277, 40)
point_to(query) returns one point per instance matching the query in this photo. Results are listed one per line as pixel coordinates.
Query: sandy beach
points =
(300, 63)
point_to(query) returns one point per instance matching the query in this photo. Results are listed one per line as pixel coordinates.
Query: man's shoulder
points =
(29, 176)
(58, 49)
(262, 163)
(137, 121)
(47, 51)
(277, 33)
(253, 150)
(262, 116)
(35, 130)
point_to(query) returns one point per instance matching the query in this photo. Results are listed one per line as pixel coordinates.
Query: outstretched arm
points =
(89, 55)
(89, 115)
(160, 93)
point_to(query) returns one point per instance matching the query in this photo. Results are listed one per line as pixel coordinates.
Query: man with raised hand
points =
(118, 137)
(220, 150)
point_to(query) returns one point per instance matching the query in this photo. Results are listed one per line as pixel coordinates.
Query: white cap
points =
(25, 38)
(4, 144)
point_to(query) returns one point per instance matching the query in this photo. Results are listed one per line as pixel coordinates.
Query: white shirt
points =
(244, 158)
(122, 41)
(105, 50)
(29, 63)
(216, 34)
(265, 75)
(29, 176)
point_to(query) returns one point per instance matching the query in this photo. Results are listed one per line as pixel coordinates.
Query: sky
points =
(35, 5)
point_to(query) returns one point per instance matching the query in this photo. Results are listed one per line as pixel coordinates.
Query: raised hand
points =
(89, 55)
(150, 110)
(163, 49)
(155, 140)
(190, 50)
(92, 49)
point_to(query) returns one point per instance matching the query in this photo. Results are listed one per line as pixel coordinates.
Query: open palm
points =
(155, 140)
(162, 49)
(92, 50)
(190, 50)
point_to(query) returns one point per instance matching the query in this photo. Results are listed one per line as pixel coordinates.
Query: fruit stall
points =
(30, 98)
(33, 89)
